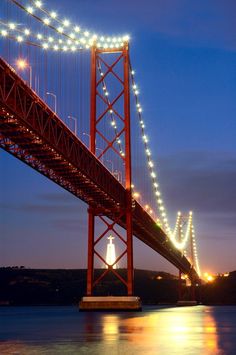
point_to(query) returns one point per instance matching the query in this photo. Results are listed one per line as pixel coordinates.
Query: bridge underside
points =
(31, 132)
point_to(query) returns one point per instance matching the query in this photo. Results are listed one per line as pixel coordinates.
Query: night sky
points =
(184, 55)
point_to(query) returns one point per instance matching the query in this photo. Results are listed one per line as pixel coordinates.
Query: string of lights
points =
(195, 253)
(19, 38)
(82, 38)
(157, 193)
(151, 167)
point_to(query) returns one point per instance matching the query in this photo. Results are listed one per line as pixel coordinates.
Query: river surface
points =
(156, 330)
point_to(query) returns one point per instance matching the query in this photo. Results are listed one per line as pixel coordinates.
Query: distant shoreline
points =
(63, 287)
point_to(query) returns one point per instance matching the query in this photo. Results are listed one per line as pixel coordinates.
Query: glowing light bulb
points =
(60, 29)
(19, 39)
(27, 32)
(66, 23)
(30, 9)
(151, 164)
(12, 26)
(21, 63)
(38, 4)
(53, 14)
(46, 21)
(4, 33)
(126, 38)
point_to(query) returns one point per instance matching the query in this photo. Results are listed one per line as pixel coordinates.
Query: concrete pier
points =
(110, 303)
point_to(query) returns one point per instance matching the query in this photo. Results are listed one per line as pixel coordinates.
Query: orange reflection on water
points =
(110, 327)
(172, 330)
(210, 332)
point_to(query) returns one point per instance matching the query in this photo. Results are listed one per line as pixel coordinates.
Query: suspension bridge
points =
(57, 59)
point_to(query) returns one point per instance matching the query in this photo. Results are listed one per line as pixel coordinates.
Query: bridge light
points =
(19, 39)
(38, 4)
(4, 33)
(60, 29)
(22, 64)
(12, 26)
(30, 9)
(66, 23)
(136, 194)
(27, 32)
(53, 14)
(46, 21)
(126, 38)
(150, 163)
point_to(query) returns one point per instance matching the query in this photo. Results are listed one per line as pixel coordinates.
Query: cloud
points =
(201, 181)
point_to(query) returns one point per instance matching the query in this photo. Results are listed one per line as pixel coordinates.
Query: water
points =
(64, 330)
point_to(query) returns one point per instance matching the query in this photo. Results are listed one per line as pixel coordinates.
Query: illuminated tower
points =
(111, 253)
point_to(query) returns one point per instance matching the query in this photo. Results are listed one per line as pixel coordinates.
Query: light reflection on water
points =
(64, 330)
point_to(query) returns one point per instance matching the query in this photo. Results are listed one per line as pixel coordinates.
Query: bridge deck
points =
(32, 132)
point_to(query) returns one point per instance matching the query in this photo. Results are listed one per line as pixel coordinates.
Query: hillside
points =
(20, 286)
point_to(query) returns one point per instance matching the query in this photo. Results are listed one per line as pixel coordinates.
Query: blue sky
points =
(184, 54)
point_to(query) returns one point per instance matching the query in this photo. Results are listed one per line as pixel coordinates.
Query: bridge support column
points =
(107, 64)
(193, 290)
(90, 252)
(180, 286)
